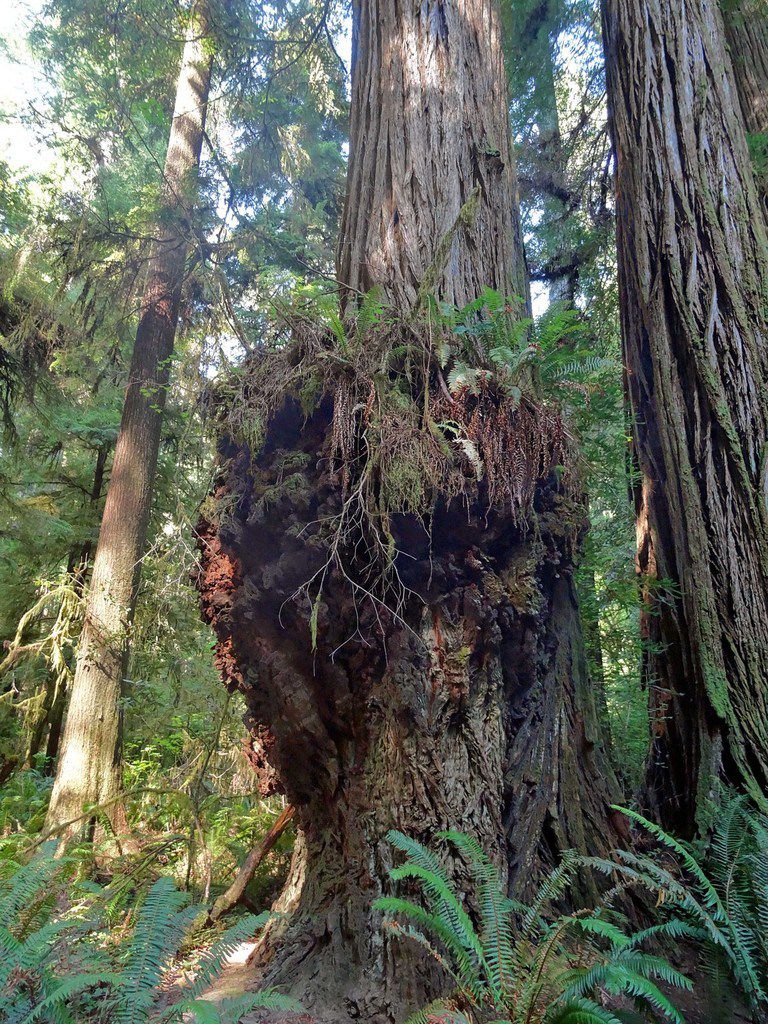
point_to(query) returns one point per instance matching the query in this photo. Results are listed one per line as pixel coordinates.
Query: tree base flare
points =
(464, 706)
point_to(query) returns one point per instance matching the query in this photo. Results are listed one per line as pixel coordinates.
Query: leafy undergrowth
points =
(65, 961)
(532, 964)
(719, 890)
(126, 950)
(524, 964)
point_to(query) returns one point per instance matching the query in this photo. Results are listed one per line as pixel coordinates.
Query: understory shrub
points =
(62, 963)
(523, 964)
(719, 890)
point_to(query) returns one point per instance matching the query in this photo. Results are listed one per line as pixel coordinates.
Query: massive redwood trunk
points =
(429, 126)
(467, 705)
(692, 263)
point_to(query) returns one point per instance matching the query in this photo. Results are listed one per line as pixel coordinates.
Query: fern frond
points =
(31, 880)
(67, 988)
(580, 1011)
(368, 313)
(468, 962)
(463, 376)
(495, 915)
(595, 925)
(623, 982)
(414, 935)
(159, 931)
(709, 893)
(551, 889)
(230, 1011)
(442, 1010)
(443, 902)
(212, 960)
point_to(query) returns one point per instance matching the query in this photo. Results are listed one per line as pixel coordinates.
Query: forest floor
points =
(236, 978)
(697, 1007)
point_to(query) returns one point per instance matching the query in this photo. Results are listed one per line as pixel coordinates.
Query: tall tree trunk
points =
(746, 27)
(692, 263)
(429, 125)
(471, 708)
(77, 569)
(89, 769)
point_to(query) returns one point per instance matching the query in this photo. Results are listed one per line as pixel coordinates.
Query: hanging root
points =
(393, 441)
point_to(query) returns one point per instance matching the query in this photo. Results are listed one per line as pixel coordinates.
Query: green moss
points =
(309, 393)
(403, 486)
(219, 510)
(293, 485)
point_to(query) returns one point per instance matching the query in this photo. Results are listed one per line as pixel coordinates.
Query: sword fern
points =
(522, 963)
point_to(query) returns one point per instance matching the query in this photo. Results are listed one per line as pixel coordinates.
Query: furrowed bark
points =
(470, 707)
(428, 128)
(89, 768)
(692, 266)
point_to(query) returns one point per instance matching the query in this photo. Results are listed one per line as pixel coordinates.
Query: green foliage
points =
(758, 150)
(550, 356)
(59, 966)
(721, 895)
(74, 240)
(508, 960)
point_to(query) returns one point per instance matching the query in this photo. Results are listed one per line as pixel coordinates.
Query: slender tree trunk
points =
(563, 281)
(79, 559)
(471, 709)
(89, 769)
(692, 262)
(563, 278)
(51, 715)
(746, 27)
(55, 728)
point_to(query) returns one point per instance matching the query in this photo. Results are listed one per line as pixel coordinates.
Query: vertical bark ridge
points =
(429, 126)
(746, 26)
(692, 264)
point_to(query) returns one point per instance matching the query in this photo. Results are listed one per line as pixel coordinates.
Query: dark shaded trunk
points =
(7, 767)
(55, 729)
(89, 771)
(475, 713)
(746, 27)
(80, 558)
(691, 244)
(562, 275)
(468, 706)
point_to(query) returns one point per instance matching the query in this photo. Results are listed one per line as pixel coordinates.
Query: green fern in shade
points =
(513, 961)
(32, 987)
(55, 967)
(722, 896)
